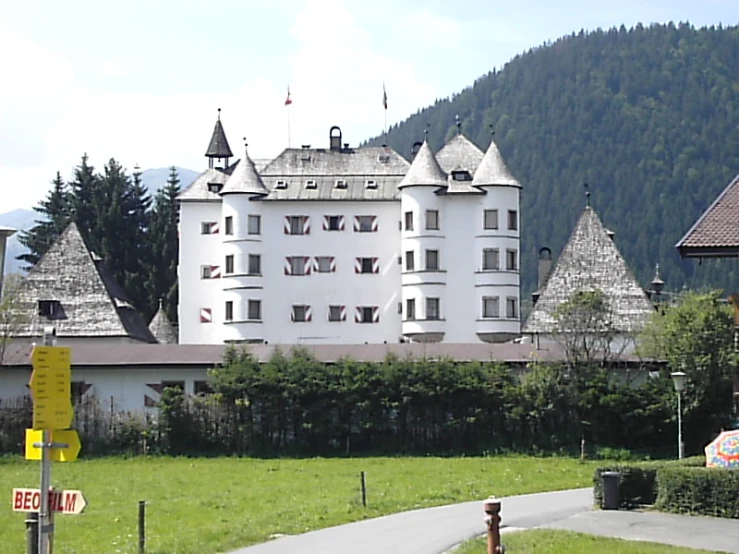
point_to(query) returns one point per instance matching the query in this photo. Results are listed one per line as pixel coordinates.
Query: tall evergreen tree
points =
(164, 241)
(55, 212)
(85, 197)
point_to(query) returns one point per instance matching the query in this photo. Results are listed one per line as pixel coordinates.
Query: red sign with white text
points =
(61, 502)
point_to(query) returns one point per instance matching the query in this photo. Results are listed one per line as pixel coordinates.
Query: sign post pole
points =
(44, 527)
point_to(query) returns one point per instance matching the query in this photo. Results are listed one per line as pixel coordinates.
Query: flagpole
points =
(384, 104)
(288, 125)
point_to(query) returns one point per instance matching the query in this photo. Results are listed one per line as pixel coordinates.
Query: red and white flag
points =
(288, 100)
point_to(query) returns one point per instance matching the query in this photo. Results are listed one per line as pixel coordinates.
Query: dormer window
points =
(461, 175)
(311, 184)
(383, 158)
(370, 184)
(305, 153)
(50, 309)
(281, 184)
(215, 187)
(340, 183)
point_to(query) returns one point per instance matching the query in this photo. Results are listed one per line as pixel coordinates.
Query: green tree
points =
(11, 318)
(164, 244)
(55, 212)
(696, 336)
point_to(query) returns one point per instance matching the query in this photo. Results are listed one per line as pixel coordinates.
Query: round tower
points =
(423, 276)
(241, 276)
(497, 242)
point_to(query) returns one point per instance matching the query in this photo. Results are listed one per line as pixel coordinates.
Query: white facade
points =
(315, 248)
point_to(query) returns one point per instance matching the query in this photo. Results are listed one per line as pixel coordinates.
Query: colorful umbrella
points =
(724, 450)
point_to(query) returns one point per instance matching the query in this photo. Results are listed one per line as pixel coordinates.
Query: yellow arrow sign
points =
(66, 454)
(52, 414)
(50, 383)
(51, 357)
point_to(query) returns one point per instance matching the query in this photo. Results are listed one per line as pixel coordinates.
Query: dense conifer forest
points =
(648, 117)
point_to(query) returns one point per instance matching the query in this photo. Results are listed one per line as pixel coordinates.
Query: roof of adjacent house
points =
(716, 233)
(128, 355)
(161, 327)
(218, 146)
(88, 302)
(244, 178)
(591, 261)
(425, 170)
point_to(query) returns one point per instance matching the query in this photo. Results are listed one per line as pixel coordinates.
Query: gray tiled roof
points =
(244, 178)
(493, 170)
(162, 328)
(218, 146)
(424, 170)
(208, 355)
(198, 189)
(355, 166)
(91, 301)
(716, 233)
(590, 261)
(459, 153)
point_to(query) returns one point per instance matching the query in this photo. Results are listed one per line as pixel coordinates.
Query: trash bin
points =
(611, 497)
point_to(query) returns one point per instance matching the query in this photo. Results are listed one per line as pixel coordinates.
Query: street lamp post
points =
(678, 379)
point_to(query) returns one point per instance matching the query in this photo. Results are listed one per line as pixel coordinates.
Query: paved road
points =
(436, 530)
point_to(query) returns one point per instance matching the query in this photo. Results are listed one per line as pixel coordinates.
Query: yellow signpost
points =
(64, 454)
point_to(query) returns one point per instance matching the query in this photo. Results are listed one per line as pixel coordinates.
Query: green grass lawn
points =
(208, 505)
(543, 541)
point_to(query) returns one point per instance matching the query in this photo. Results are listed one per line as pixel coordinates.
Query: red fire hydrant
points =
(492, 520)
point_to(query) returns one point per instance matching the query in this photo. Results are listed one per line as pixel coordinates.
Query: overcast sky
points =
(141, 80)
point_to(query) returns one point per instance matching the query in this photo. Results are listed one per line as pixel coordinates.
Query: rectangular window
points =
(296, 225)
(410, 261)
(367, 265)
(325, 264)
(432, 260)
(337, 313)
(332, 223)
(365, 223)
(301, 313)
(512, 220)
(229, 310)
(255, 264)
(410, 309)
(255, 224)
(511, 308)
(432, 308)
(201, 387)
(511, 257)
(206, 272)
(408, 221)
(490, 306)
(173, 385)
(229, 263)
(432, 220)
(340, 183)
(490, 219)
(255, 309)
(490, 259)
(208, 228)
(229, 224)
(366, 314)
(297, 265)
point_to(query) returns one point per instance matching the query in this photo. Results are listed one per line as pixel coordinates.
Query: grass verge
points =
(544, 541)
(201, 505)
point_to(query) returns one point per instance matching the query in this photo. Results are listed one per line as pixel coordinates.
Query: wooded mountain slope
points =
(649, 117)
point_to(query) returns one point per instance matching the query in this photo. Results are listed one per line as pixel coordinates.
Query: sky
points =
(141, 81)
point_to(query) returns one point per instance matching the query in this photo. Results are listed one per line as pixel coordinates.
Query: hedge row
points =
(680, 486)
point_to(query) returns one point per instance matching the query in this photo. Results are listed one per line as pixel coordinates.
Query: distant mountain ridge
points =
(22, 219)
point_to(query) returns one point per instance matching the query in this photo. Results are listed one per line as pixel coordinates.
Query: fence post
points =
(364, 489)
(32, 533)
(142, 526)
(492, 520)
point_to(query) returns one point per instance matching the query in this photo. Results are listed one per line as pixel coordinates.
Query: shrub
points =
(702, 491)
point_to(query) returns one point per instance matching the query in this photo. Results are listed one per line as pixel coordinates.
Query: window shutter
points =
(374, 223)
(375, 265)
(306, 225)
(287, 225)
(375, 314)
(215, 272)
(358, 314)
(206, 315)
(288, 266)
(214, 227)
(341, 223)
(357, 265)
(308, 266)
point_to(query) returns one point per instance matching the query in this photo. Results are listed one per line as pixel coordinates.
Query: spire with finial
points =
(657, 283)
(426, 132)
(218, 147)
(587, 194)
(458, 123)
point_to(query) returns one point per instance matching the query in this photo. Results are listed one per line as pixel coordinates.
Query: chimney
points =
(545, 267)
(334, 136)
(5, 232)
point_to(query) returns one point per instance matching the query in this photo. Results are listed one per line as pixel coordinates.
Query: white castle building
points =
(344, 245)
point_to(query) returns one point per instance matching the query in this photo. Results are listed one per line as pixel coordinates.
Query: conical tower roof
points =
(162, 328)
(218, 146)
(591, 261)
(493, 170)
(245, 178)
(424, 170)
(459, 153)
